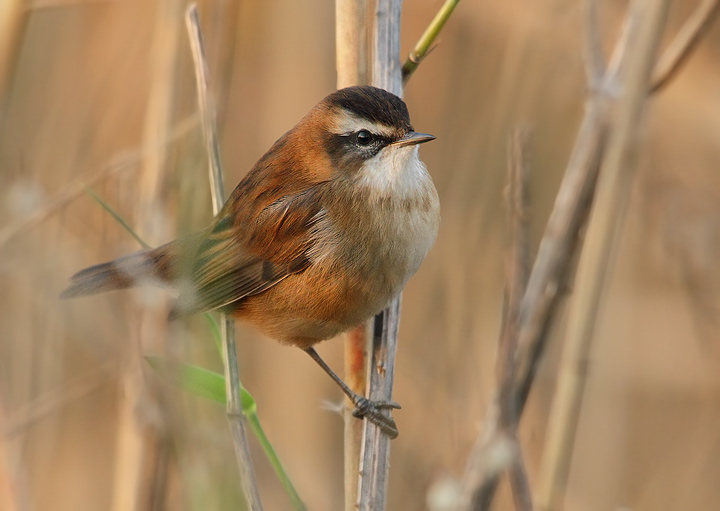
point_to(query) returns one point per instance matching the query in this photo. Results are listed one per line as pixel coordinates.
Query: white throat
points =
(395, 170)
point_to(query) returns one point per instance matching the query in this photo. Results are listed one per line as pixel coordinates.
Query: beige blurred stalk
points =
(13, 18)
(141, 453)
(612, 197)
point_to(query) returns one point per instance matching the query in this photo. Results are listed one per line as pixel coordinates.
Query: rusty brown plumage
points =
(321, 234)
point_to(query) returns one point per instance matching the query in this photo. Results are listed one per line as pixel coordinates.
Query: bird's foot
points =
(373, 411)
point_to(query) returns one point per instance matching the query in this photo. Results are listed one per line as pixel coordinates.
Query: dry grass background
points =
(94, 83)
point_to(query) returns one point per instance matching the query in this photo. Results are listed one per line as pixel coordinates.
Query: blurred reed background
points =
(102, 93)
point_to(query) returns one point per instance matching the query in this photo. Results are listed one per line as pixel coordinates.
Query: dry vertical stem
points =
(594, 60)
(516, 275)
(498, 447)
(13, 19)
(207, 108)
(351, 23)
(232, 377)
(386, 74)
(11, 494)
(351, 43)
(357, 354)
(385, 68)
(151, 215)
(375, 451)
(516, 260)
(141, 448)
(613, 193)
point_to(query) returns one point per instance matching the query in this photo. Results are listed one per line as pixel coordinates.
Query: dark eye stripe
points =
(345, 151)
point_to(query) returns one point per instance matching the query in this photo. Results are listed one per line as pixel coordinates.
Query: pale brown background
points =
(72, 383)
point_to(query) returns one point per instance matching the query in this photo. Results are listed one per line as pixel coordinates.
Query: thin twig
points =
(207, 108)
(498, 448)
(232, 376)
(613, 196)
(58, 398)
(424, 44)
(516, 260)
(516, 275)
(551, 268)
(685, 41)
(119, 163)
(519, 481)
(594, 60)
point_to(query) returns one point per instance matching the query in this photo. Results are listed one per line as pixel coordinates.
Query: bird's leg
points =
(371, 410)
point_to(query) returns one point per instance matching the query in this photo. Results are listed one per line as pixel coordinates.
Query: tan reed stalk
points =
(141, 449)
(13, 19)
(233, 387)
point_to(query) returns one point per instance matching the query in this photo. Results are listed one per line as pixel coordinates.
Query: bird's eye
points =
(364, 137)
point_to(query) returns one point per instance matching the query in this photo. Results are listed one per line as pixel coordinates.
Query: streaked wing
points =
(231, 265)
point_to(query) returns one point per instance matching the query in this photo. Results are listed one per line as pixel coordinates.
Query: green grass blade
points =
(195, 380)
(119, 219)
(424, 45)
(211, 385)
(274, 460)
(215, 331)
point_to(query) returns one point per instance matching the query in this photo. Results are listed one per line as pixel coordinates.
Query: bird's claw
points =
(372, 411)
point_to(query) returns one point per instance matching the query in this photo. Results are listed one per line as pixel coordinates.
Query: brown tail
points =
(150, 267)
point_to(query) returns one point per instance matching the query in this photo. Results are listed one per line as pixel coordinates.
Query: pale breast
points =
(384, 227)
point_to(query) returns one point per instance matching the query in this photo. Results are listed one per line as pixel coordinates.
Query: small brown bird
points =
(321, 234)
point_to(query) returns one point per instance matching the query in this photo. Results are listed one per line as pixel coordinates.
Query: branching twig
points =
(613, 194)
(232, 377)
(559, 243)
(423, 46)
(685, 41)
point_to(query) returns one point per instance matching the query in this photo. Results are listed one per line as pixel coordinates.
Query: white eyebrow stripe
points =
(346, 122)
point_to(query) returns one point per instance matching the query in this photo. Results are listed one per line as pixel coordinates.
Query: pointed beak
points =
(413, 138)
